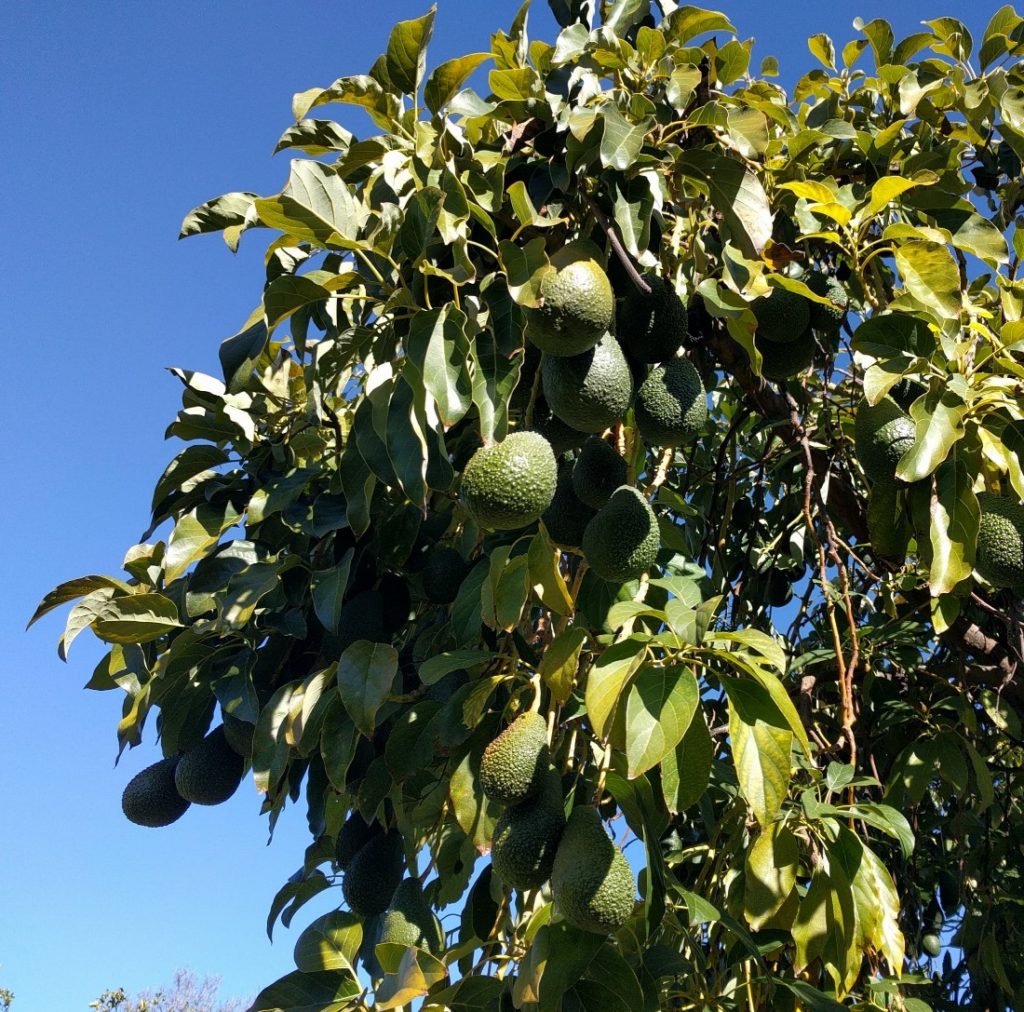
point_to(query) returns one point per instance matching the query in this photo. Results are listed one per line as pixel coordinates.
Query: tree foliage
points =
(810, 737)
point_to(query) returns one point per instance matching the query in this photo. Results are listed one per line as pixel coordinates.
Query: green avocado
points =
(211, 772)
(513, 766)
(591, 879)
(577, 307)
(563, 438)
(1000, 556)
(373, 875)
(671, 404)
(239, 734)
(932, 945)
(782, 316)
(652, 326)
(443, 573)
(355, 833)
(591, 391)
(510, 484)
(882, 434)
(599, 470)
(151, 799)
(826, 318)
(781, 361)
(888, 529)
(409, 919)
(567, 517)
(622, 541)
(526, 837)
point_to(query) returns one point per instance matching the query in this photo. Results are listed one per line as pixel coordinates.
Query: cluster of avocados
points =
(533, 843)
(207, 774)
(599, 357)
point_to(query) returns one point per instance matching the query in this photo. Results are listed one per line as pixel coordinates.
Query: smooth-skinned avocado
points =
(599, 470)
(409, 919)
(782, 361)
(671, 404)
(211, 772)
(373, 875)
(781, 316)
(512, 483)
(576, 307)
(526, 837)
(652, 326)
(1000, 556)
(514, 765)
(443, 573)
(591, 879)
(567, 517)
(882, 433)
(151, 799)
(591, 391)
(622, 541)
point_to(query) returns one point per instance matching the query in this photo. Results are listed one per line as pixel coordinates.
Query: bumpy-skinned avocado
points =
(782, 316)
(513, 766)
(591, 391)
(512, 483)
(409, 919)
(671, 404)
(826, 318)
(563, 438)
(652, 326)
(373, 875)
(888, 529)
(443, 573)
(599, 470)
(355, 833)
(526, 837)
(781, 361)
(882, 433)
(591, 879)
(1000, 557)
(151, 799)
(622, 541)
(567, 517)
(239, 734)
(577, 307)
(211, 772)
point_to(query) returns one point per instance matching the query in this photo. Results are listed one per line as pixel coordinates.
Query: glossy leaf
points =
(659, 708)
(366, 672)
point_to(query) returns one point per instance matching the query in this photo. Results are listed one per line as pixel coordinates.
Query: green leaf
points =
(736, 193)
(822, 49)
(888, 188)
(560, 660)
(136, 619)
(938, 420)
(195, 535)
(686, 771)
(408, 973)
(545, 577)
(607, 680)
(621, 140)
(609, 984)
(771, 870)
(331, 942)
(688, 22)
(659, 708)
(436, 668)
(931, 276)
(366, 672)
(878, 909)
(439, 349)
(328, 591)
(192, 461)
(72, 589)
(973, 233)
(308, 992)
(524, 266)
(407, 51)
(361, 90)
(955, 516)
(315, 137)
(230, 209)
(446, 79)
(474, 812)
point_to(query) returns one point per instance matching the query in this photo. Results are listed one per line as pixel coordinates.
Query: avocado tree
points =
(621, 446)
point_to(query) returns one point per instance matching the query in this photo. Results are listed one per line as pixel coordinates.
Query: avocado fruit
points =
(1000, 555)
(599, 470)
(931, 945)
(514, 764)
(239, 734)
(781, 316)
(443, 573)
(211, 772)
(671, 404)
(888, 528)
(783, 361)
(592, 391)
(882, 434)
(409, 919)
(151, 799)
(373, 875)
(510, 484)
(577, 307)
(526, 837)
(567, 517)
(354, 834)
(826, 318)
(652, 326)
(621, 543)
(591, 879)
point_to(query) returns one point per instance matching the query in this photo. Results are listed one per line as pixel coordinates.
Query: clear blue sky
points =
(117, 118)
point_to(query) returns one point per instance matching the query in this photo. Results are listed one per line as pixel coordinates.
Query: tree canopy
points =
(793, 697)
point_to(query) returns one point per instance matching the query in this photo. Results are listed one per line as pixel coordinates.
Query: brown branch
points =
(620, 251)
